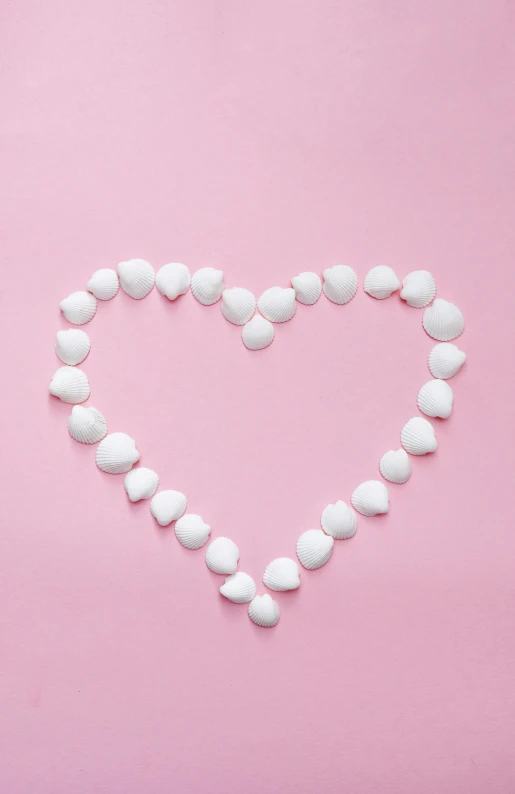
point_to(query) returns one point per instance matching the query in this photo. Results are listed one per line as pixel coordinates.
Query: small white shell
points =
(380, 282)
(340, 283)
(282, 574)
(418, 289)
(117, 453)
(314, 548)
(258, 333)
(395, 466)
(173, 280)
(222, 556)
(308, 288)
(239, 588)
(371, 498)
(207, 285)
(191, 531)
(278, 304)
(445, 360)
(443, 320)
(137, 277)
(70, 384)
(141, 483)
(418, 436)
(72, 346)
(168, 506)
(104, 284)
(435, 399)
(264, 611)
(79, 307)
(339, 520)
(238, 305)
(86, 424)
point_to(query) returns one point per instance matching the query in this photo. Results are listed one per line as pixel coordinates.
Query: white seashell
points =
(339, 520)
(418, 436)
(117, 453)
(314, 548)
(168, 506)
(264, 611)
(435, 399)
(141, 483)
(257, 333)
(380, 282)
(308, 288)
(173, 280)
(445, 360)
(70, 384)
(137, 277)
(191, 531)
(239, 588)
(418, 289)
(207, 285)
(340, 283)
(104, 284)
(277, 304)
(282, 574)
(443, 320)
(79, 307)
(86, 424)
(371, 498)
(395, 466)
(72, 346)
(238, 305)
(222, 556)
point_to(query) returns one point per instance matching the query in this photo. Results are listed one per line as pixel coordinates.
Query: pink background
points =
(265, 139)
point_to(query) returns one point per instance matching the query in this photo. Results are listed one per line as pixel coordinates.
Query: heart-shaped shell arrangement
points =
(117, 452)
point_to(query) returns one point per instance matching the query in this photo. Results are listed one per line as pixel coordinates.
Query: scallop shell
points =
(282, 574)
(445, 360)
(443, 321)
(137, 277)
(238, 305)
(86, 424)
(278, 304)
(258, 333)
(141, 483)
(418, 289)
(239, 588)
(380, 282)
(339, 521)
(222, 556)
(371, 498)
(395, 466)
(117, 453)
(70, 384)
(264, 611)
(173, 280)
(308, 288)
(418, 436)
(72, 346)
(435, 399)
(207, 285)
(104, 284)
(191, 531)
(314, 548)
(340, 283)
(79, 307)
(168, 506)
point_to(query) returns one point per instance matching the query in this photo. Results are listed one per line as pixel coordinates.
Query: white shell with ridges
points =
(282, 574)
(141, 483)
(443, 320)
(173, 280)
(239, 588)
(380, 282)
(278, 304)
(207, 285)
(79, 307)
(117, 453)
(435, 399)
(314, 548)
(192, 531)
(308, 288)
(222, 556)
(371, 498)
(72, 346)
(264, 611)
(445, 360)
(168, 506)
(339, 520)
(238, 305)
(86, 424)
(137, 277)
(395, 466)
(70, 384)
(258, 333)
(340, 283)
(418, 289)
(418, 436)
(104, 284)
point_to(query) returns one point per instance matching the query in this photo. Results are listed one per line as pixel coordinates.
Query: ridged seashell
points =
(443, 320)
(339, 520)
(282, 574)
(70, 384)
(86, 424)
(137, 277)
(418, 436)
(239, 588)
(117, 453)
(173, 280)
(104, 284)
(264, 611)
(207, 285)
(371, 498)
(222, 556)
(191, 531)
(314, 548)
(79, 307)
(340, 283)
(435, 399)
(445, 360)
(278, 304)
(257, 333)
(308, 288)
(72, 346)
(141, 483)
(380, 282)
(168, 506)
(418, 289)
(238, 305)
(395, 466)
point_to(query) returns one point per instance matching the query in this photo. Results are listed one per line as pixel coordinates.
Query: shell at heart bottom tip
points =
(264, 611)
(258, 333)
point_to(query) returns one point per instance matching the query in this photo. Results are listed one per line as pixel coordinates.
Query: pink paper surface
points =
(264, 139)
